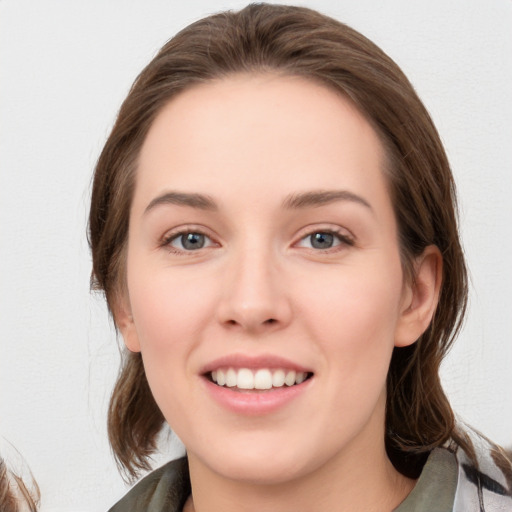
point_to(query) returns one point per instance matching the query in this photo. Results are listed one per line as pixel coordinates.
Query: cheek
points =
(168, 308)
(170, 313)
(354, 315)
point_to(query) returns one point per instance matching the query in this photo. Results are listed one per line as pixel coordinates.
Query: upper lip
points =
(253, 362)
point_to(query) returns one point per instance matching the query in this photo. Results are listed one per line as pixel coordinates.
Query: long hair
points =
(14, 491)
(300, 42)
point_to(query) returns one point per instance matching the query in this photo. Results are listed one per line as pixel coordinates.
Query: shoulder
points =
(476, 480)
(484, 477)
(164, 489)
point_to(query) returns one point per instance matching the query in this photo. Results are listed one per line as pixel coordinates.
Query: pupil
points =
(322, 240)
(192, 241)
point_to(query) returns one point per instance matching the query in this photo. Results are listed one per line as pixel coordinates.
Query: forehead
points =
(238, 132)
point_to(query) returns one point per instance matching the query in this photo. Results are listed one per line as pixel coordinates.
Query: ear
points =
(420, 297)
(124, 321)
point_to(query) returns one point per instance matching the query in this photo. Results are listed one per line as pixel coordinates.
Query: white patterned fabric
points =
(486, 488)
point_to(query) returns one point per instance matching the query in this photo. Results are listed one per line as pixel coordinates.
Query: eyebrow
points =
(317, 198)
(200, 201)
(314, 198)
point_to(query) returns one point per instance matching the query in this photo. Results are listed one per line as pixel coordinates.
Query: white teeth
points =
(231, 378)
(245, 379)
(301, 377)
(221, 378)
(289, 380)
(278, 378)
(263, 378)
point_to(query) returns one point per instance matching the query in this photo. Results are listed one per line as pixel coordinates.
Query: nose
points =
(254, 297)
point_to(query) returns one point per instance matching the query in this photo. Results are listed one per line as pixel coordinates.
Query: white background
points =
(65, 68)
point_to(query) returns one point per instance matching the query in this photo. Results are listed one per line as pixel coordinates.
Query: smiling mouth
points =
(245, 379)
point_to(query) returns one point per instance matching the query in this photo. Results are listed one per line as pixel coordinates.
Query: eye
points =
(324, 240)
(188, 241)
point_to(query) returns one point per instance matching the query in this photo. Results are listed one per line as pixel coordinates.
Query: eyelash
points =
(168, 239)
(342, 239)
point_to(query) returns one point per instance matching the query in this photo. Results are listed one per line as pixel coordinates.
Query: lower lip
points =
(255, 403)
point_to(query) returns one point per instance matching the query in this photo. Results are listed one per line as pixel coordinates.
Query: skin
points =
(259, 287)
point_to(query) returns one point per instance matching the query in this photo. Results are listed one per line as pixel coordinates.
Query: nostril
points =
(270, 321)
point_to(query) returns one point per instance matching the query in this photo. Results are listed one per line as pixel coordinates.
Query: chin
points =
(260, 470)
(256, 460)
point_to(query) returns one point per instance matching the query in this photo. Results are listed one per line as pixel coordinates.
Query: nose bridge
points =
(254, 297)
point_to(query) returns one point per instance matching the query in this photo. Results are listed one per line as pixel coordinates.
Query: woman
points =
(273, 223)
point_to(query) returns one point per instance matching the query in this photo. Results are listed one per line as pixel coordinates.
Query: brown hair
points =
(300, 42)
(14, 492)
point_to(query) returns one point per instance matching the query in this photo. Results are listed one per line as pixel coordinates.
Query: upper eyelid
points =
(167, 241)
(343, 239)
(182, 230)
(340, 231)
(337, 230)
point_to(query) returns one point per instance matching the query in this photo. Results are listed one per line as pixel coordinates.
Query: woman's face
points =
(263, 248)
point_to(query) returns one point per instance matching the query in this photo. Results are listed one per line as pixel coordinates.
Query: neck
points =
(359, 478)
